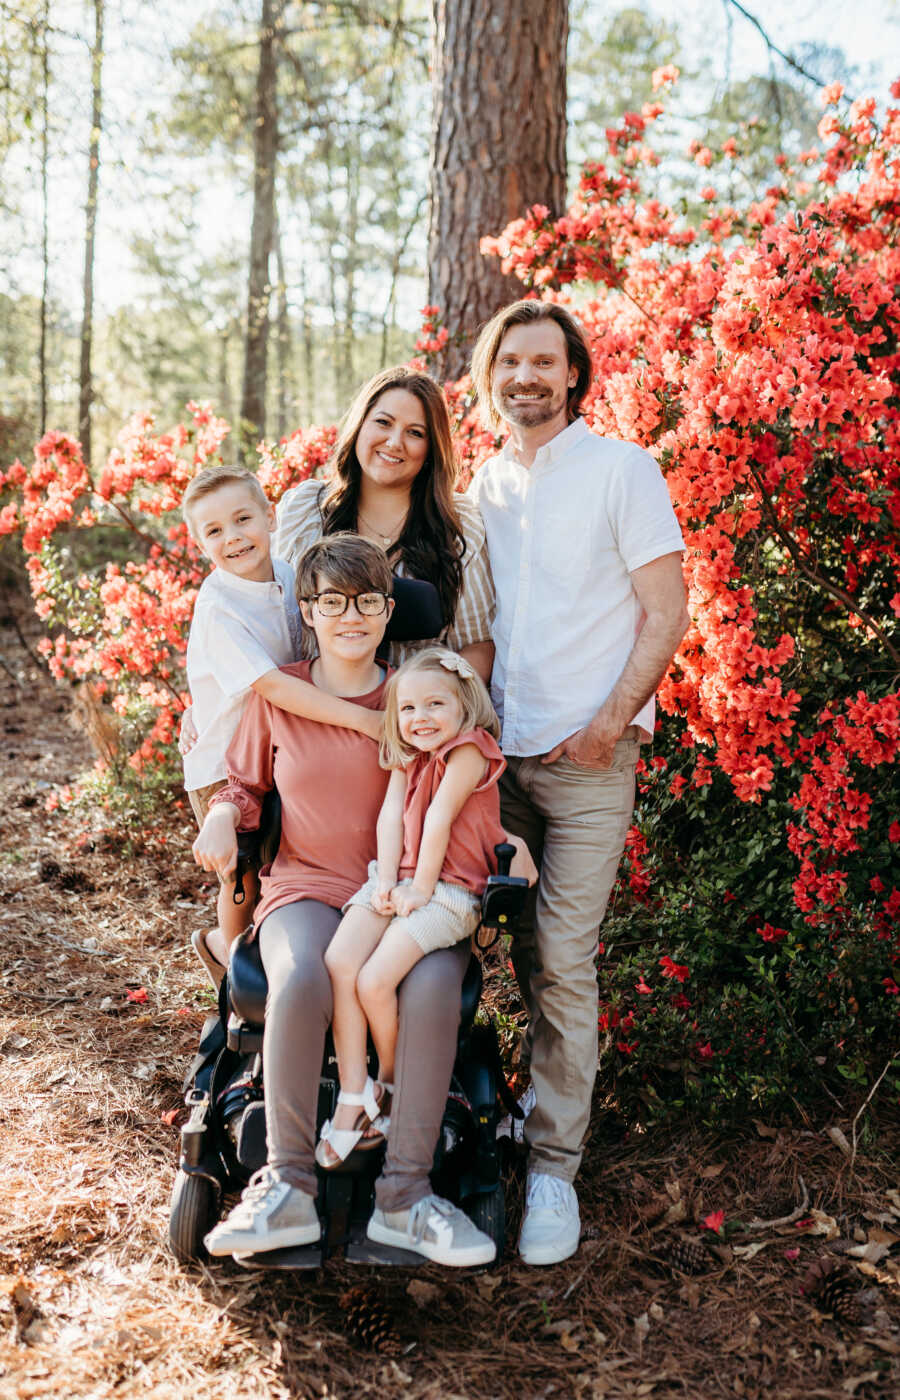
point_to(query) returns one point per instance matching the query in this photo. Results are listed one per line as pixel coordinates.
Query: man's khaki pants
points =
(575, 821)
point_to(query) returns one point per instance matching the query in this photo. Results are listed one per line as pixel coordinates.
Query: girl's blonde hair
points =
(478, 712)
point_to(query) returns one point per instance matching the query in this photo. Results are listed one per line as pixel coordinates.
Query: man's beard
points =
(528, 415)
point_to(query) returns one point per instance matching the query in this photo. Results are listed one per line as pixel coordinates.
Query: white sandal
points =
(343, 1141)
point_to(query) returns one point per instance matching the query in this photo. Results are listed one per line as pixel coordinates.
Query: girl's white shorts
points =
(451, 914)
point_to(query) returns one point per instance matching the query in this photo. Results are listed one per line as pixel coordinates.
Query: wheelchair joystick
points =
(503, 897)
(504, 851)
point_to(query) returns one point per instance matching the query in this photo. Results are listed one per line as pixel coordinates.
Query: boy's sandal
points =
(343, 1141)
(214, 969)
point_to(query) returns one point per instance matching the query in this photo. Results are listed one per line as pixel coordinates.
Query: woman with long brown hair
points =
(391, 479)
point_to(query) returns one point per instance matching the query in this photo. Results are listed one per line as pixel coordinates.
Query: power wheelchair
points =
(224, 1139)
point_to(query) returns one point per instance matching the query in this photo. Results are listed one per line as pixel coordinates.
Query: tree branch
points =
(141, 534)
(863, 1106)
(773, 48)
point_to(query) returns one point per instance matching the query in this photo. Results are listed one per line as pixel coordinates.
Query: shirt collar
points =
(233, 583)
(552, 451)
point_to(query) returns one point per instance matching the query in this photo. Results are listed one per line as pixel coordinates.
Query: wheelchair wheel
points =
(488, 1211)
(191, 1215)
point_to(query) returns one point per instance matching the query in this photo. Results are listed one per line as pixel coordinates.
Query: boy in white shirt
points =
(246, 625)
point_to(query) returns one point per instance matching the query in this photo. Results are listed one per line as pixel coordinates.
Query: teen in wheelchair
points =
(440, 1150)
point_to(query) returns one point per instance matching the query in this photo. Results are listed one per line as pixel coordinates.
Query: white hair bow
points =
(459, 664)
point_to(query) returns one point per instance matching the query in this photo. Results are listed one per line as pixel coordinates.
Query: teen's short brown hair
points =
(526, 313)
(350, 563)
(211, 479)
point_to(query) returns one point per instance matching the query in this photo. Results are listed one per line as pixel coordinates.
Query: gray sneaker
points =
(435, 1228)
(271, 1214)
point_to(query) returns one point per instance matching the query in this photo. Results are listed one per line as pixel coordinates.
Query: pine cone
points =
(833, 1288)
(690, 1256)
(369, 1321)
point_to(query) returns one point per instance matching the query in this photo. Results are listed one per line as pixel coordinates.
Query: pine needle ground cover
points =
(760, 1263)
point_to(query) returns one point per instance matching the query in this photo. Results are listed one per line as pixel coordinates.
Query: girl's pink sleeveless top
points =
(470, 852)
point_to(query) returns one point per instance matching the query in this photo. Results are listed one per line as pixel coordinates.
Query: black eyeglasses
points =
(334, 604)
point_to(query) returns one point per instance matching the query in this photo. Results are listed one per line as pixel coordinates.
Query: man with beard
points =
(586, 555)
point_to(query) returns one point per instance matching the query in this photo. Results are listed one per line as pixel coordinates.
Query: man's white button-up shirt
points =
(564, 536)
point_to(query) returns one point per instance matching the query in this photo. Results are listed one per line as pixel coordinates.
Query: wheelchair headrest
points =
(417, 611)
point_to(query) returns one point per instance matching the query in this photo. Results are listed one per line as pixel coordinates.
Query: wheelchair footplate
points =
(359, 1249)
(346, 1203)
(304, 1256)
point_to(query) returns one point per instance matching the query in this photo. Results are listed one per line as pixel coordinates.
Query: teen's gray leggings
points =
(292, 943)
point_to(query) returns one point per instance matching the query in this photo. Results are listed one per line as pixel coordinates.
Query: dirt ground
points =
(100, 1008)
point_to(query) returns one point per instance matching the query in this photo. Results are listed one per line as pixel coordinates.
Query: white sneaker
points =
(551, 1226)
(436, 1229)
(271, 1214)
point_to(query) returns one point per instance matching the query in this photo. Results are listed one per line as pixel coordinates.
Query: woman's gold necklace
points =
(379, 534)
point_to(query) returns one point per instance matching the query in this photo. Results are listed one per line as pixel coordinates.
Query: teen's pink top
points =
(331, 788)
(470, 852)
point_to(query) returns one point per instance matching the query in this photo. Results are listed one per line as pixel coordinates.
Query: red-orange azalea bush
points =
(752, 944)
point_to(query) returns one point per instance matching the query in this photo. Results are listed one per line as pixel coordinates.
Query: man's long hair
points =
(527, 313)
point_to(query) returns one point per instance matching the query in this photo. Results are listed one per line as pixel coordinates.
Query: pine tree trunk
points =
(348, 370)
(262, 233)
(309, 380)
(85, 380)
(498, 146)
(45, 215)
(224, 401)
(341, 390)
(284, 344)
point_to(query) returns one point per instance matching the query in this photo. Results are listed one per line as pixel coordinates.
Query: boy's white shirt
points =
(240, 630)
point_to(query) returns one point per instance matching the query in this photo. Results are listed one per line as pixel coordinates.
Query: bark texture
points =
(498, 146)
(262, 232)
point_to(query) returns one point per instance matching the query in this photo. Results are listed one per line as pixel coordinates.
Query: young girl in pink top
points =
(436, 833)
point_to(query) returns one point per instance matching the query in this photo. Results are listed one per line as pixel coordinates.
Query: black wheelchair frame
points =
(223, 1142)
